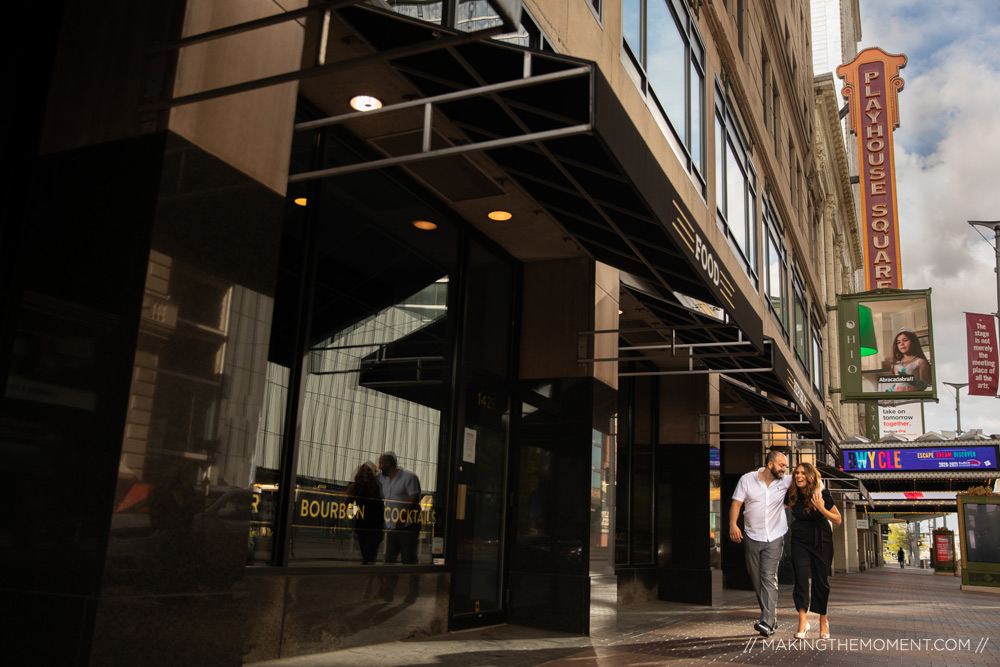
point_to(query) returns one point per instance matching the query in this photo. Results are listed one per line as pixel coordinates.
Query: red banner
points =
(981, 339)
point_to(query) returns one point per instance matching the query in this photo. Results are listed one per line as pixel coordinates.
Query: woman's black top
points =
(809, 527)
(370, 506)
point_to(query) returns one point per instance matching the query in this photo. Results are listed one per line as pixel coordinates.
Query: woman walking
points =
(812, 545)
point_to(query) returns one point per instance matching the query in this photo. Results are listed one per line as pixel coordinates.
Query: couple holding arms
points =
(763, 494)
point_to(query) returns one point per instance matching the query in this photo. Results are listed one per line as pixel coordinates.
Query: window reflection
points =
(662, 40)
(735, 185)
(475, 15)
(666, 64)
(425, 10)
(370, 389)
(632, 25)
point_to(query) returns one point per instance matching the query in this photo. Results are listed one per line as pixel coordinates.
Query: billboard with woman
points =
(886, 350)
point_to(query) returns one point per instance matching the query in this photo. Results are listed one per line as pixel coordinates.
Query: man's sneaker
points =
(763, 629)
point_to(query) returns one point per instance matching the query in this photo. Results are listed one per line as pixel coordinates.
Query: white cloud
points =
(947, 172)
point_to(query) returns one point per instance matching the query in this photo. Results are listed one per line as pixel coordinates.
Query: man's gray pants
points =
(762, 564)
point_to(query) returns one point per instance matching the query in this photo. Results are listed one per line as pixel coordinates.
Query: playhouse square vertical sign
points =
(871, 84)
(981, 339)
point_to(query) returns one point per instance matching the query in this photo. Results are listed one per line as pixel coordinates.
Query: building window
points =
(661, 39)
(529, 34)
(775, 267)
(735, 183)
(739, 24)
(817, 357)
(765, 82)
(424, 10)
(472, 15)
(598, 7)
(775, 112)
(800, 321)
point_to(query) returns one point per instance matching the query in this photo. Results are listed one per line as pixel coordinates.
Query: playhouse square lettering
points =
(882, 264)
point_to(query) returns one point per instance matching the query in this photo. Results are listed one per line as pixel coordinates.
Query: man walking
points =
(762, 492)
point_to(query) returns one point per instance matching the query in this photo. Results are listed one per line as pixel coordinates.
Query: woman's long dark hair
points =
(813, 482)
(361, 487)
(915, 348)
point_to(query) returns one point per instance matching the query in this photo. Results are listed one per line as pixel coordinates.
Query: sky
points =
(947, 153)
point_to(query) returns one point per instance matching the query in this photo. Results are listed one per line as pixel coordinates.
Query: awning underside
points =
(576, 179)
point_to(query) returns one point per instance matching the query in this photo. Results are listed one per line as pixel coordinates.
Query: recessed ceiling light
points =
(424, 224)
(499, 216)
(301, 201)
(365, 103)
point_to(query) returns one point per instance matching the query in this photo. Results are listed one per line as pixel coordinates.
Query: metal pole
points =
(957, 386)
(958, 411)
(995, 226)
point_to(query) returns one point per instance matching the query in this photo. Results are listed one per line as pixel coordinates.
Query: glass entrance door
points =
(481, 441)
(478, 585)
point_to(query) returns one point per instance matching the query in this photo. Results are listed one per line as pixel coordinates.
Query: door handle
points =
(460, 502)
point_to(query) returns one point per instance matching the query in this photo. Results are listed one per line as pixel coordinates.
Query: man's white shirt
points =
(763, 506)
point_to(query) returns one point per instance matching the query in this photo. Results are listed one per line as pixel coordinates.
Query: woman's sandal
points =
(825, 635)
(802, 635)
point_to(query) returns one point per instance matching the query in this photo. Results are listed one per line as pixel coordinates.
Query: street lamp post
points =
(957, 386)
(995, 226)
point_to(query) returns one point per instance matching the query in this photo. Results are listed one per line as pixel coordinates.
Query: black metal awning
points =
(670, 331)
(554, 125)
(787, 416)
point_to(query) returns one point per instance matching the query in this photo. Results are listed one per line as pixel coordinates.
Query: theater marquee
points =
(871, 84)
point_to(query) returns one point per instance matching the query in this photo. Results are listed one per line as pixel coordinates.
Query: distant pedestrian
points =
(763, 493)
(901, 557)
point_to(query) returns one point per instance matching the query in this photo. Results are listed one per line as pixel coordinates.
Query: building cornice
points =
(829, 114)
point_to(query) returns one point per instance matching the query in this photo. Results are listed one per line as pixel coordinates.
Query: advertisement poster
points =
(886, 346)
(906, 420)
(943, 548)
(981, 339)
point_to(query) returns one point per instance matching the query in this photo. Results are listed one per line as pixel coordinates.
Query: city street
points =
(885, 616)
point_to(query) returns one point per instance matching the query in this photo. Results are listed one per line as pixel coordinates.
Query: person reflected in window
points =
(401, 491)
(812, 545)
(366, 507)
(909, 362)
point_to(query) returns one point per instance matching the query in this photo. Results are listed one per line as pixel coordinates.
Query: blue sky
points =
(947, 172)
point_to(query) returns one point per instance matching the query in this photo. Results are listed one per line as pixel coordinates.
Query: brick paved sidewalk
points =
(885, 616)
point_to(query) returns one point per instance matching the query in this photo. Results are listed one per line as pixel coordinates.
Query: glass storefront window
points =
(359, 366)
(368, 391)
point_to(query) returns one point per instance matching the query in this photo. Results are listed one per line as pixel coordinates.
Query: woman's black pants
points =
(811, 562)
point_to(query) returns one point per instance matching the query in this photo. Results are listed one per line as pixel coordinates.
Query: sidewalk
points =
(885, 616)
